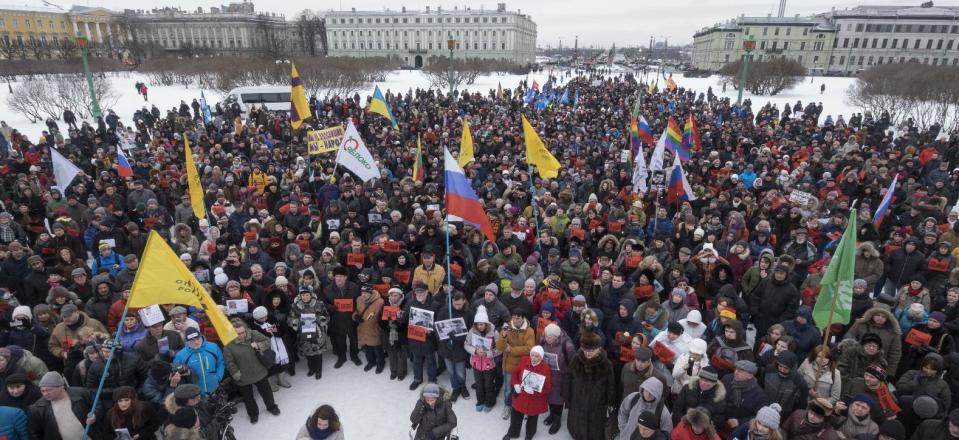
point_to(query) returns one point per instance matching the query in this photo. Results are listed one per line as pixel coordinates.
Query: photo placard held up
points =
(450, 327)
(421, 317)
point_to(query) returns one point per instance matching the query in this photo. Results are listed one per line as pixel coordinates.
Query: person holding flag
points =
(834, 303)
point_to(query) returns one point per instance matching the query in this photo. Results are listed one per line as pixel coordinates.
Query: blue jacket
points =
(663, 225)
(112, 263)
(206, 363)
(13, 423)
(129, 338)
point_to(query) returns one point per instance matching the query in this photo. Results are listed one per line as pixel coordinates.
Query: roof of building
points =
(31, 8)
(737, 24)
(897, 11)
(428, 11)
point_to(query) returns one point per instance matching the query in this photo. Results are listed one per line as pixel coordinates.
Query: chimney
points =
(354, 9)
(404, 9)
(427, 9)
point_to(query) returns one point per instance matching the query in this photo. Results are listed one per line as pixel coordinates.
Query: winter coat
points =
(43, 423)
(421, 348)
(25, 362)
(773, 301)
(589, 390)
(148, 347)
(241, 358)
(578, 271)
(852, 427)
(453, 347)
(125, 369)
(691, 396)
(695, 419)
(889, 333)
(13, 424)
(530, 402)
(520, 340)
(30, 395)
(633, 405)
(367, 315)
(209, 428)
(129, 337)
(482, 361)
(901, 266)
(869, 266)
(795, 426)
(631, 379)
(304, 434)
(340, 322)
(206, 363)
(828, 385)
(743, 402)
(434, 422)
(807, 336)
(310, 343)
(790, 392)
(63, 336)
(685, 371)
(564, 351)
(904, 299)
(914, 383)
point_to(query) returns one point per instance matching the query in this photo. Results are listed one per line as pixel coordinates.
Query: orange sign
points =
(416, 333)
(626, 353)
(663, 353)
(616, 226)
(579, 233)
(456, 269)
(382, 289)
(390, 312)
(391, 246)
(343, 305)
(354, 259)
(632, 261)
(918, 338)
(402, 276)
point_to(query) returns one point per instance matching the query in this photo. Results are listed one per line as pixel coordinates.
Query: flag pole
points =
(532, 197)
(832, 310)
(449, 271)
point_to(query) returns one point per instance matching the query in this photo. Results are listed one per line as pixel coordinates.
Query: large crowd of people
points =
(609, 311)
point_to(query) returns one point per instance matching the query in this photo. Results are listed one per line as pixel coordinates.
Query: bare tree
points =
(68, 49)
(273, 40)
(27, 97)
(925, 95)
(309, 26)
(765, 77)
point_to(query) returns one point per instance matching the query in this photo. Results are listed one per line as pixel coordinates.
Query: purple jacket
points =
(564, 351)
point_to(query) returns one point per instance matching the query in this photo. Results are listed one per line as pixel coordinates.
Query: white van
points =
(276, 98)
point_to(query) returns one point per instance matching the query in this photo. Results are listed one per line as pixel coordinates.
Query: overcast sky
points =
(597, 22)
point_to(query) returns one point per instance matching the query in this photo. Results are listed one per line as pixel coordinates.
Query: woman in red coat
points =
(531, 384)
(695, 425)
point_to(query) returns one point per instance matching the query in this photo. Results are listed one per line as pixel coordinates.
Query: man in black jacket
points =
(63, 412)
(421, 351)
(451, 349)
(340, 296)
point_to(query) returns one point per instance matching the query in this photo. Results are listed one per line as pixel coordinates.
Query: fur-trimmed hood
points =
(867, 250)
(173, 432)
(606, 239)
(720, 389)
(699, 419)
(891, 321)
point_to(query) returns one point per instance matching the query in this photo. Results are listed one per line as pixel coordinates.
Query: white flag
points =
(656, 162)
(64, 170)
(355, 157)
(640, 173)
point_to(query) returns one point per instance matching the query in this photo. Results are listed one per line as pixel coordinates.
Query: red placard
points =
(402, 276)
(626, 353)
(343, 305)
(249, 236)
(382, 289)
(918, 338)
(416, 333)
(663, 353)
(372, 249)
(616, 226)
(391, 246)
(390, 312)
(354, 259)
(456, 269)
(579, 233)
(595, 223)
(632, 261)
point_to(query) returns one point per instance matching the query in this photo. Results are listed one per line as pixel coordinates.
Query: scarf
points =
(319, 434)
(740, 387)
(913, 292)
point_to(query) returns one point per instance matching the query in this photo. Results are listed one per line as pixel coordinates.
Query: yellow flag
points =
(466, 145)
(163, 279)
(193, 180)
(299, 106)
(537, 153)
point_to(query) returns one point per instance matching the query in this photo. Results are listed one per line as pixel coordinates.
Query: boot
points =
(273, 385)
(455, 395)
(340, 362)
(318, 373)
(464, 393)
(554, 428)
(379, 368)
(549, 419)
(356, 360)
(282, 381)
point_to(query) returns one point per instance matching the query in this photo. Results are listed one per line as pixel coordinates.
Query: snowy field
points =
(165, 97)
(370, 406)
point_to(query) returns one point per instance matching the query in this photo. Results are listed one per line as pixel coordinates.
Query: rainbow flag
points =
(674, 140)
(633, 137)
(418, 162)
(691, 135)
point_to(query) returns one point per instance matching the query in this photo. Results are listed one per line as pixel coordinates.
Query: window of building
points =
(765, 31)
(775, 43)
(875, 41)
(28, 23)
(859, 28)
(929, 44)
(404, 20)
(842, 60)
(949, 46)
(776, 31)
(884, 42)
(855, 43)
(845, 42)
(786, 45)
(416, 20)
(935, 61)
(457, 19)
(475, 46)
(485, 19)
(502, 46)
(762, 45)
(377, 21)
(870, 61)
(429, 20)
(918, 42)
(475, 19)
(939, 44)
(802, 45)
(788, 30)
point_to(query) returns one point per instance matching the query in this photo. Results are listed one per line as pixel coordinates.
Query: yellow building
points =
(39, 32)
(33, 32)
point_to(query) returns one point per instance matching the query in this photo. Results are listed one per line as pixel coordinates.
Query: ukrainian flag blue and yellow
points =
(379, 106)
(299, 106)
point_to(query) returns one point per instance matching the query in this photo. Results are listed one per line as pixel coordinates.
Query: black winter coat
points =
(453, 347)
(42, 424)
(417, 347)
(589, 389)
(691, 396)
(901, 266)
(438, 421)
(340, 322)
(773, 302)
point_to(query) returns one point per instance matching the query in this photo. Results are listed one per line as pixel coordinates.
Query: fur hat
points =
(893, 429)
(184, 417)
(589, 341)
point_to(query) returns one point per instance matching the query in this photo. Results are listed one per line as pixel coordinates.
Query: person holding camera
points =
(188, 396)
(205, 360)
(163, 379)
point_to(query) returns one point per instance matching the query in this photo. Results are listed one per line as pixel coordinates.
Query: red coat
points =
(536, 403)
(685, 432)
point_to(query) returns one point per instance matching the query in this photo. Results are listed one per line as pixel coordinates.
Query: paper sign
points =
(482, 343)
(632, 261)
(390, 313)
(235, 306)
(402, 276)
(801, 197)
(626, 353)
(663, 353)
(308, 323)
(151, 315)
(355, 259)
(382, 289)
(616, 226)
(456, 269)
(450, 327)
(552, 359)
(624, 156)
(391, 246)
(918, 338)
(324, 141)
(431, 208)
(416, 333)
(163, 344)
(374, 218)
(343, 305)
(595, 223)
(532, 382)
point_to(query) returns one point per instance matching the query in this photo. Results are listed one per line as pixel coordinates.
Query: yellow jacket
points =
(258, 180)
(434, 278)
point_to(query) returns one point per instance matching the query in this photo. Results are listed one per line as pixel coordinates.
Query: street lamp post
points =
(450, 44)
(82, 44)
(748, 46)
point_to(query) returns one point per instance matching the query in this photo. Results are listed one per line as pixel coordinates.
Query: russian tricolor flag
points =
(645, 132)
(461, 200)
(679, 189)
(886, 204)
(123, 165)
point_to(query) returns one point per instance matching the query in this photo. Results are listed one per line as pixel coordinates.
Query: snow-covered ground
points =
(370, 406)
(164, 97)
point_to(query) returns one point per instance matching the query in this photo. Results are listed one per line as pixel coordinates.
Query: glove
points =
(518, 389)
(237, 376)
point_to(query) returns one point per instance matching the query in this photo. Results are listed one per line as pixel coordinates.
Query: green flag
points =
(637, 103)
(834, 304)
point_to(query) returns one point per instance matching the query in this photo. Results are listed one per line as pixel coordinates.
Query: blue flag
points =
(565, 98)
(529, 96)
(205, 108)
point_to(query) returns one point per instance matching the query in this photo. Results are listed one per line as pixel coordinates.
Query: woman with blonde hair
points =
(820, 373)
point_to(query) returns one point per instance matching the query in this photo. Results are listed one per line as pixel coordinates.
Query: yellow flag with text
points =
(466, 145)
(193, 180)
(163, 279)
(537, 153)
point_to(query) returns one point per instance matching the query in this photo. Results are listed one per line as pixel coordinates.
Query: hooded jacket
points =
(806, 336)
(691, 397)
(695, 419)
(206, 362)
(520, 340)
(434, 422)
(634, 404)
(773, 301)
(868, 265)
(789, 391)
(889, 333)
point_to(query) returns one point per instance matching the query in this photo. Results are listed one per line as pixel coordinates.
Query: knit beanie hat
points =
(769, 416)
(893, 429)
(552, 331)
(184, 418)
(52, 379)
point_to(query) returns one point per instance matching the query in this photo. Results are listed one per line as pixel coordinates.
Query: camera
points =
(182, 370)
